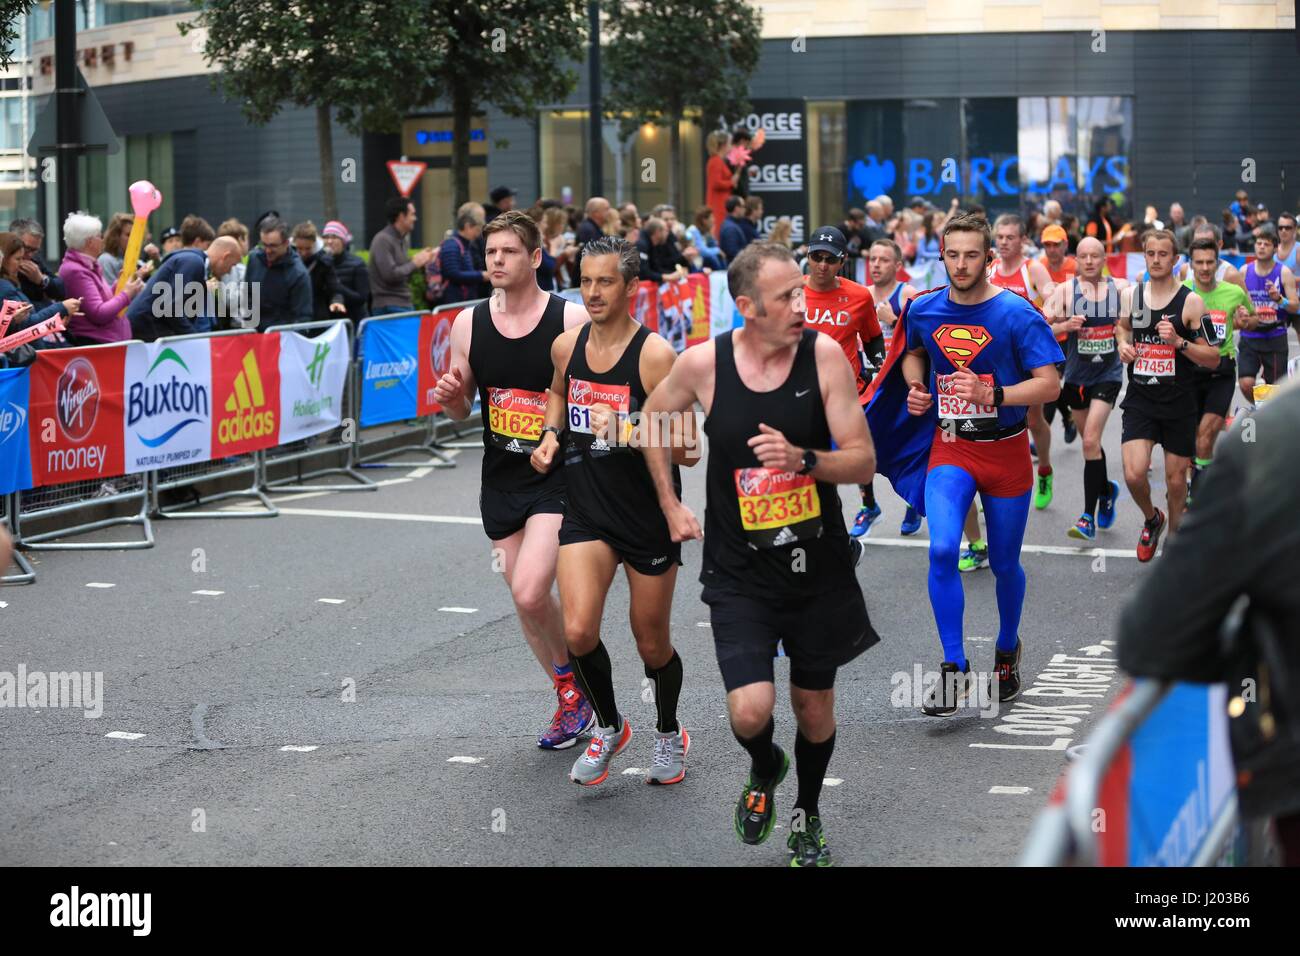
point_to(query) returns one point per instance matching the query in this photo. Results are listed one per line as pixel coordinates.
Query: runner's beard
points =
(964, 285)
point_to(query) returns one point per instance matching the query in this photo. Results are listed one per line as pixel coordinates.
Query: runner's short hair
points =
(1159, 234)
(742, 274)
(1205, 242)
(1009, 219)
(893, 247)
(521, 224)
(629, 258)
(1267, 231)
(969, 222)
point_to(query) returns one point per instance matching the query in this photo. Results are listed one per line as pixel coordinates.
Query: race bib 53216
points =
(777, 507)
(971, 418)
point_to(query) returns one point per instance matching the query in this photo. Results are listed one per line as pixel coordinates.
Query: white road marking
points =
(100, 584)
(464, 760)
(380, 516)
(209, 593)
(1024, 548)
(703, 624)
(632, 771)
(299, 748)
(459, 610)
(4, 604)
(420, 472)
(330, 601)
(832, 781)
(1010, 790)
(122, 735)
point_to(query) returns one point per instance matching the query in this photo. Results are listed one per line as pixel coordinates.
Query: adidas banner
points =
(245, 393)
(312, 373)
(389, 370)
(15, 455)
(168, 397)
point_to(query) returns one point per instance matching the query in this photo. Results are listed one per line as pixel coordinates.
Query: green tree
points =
(10, 11)
(342, 56)
(515, 55)
(663, 60)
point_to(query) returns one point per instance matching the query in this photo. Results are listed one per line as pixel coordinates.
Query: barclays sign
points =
(872, 176)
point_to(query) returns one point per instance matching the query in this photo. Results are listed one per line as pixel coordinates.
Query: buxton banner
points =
(168, 390)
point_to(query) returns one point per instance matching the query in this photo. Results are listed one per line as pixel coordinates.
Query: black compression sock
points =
(1094, 484)
(668, 687)
(810, 763)
(761, 751)
(596, 678)
(868, 495)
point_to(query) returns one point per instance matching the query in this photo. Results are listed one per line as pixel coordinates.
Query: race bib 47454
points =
(1154, 359)
(777, 507)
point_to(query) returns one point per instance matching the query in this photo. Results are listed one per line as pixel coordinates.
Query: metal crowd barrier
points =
(26, 573)
(187, 476)
(334, 441)
(427, 433)
(68, 498)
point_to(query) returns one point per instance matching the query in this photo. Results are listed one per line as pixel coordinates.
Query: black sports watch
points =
(553, 430)
(998, 396)
(809, 461)
(1183, 344)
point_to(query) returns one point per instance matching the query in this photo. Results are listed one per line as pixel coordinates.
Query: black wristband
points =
(998, 396)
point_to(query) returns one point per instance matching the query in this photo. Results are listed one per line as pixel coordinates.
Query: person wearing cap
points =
(353, 275)
(502, 200)
(171, 241)
(846, 311)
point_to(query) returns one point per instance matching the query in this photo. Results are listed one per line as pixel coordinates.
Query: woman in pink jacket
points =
(99, 319)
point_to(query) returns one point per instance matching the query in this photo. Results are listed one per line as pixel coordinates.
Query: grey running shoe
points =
(606, 743)
(669, 765)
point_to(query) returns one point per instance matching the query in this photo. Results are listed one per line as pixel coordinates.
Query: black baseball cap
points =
(169, 233)
(828, 239)
(500, 193)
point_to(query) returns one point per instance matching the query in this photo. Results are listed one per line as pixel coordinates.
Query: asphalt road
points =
(435, 761)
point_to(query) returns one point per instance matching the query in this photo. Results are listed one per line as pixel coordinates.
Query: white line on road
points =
(420, 472)
(1010, 790)
(1024, 548)
(459, 759)
(459, 610)
(100, 584)
(631, 771)
(299, 748)
(330, 601)
(380, 516)
(4, 604)
(832, 781)
(209, 593)
(122, 735)
(703, 624)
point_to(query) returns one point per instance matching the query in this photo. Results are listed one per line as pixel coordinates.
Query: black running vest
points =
(767, 532)
(1162, 379)
(609, 488)
(514, 377)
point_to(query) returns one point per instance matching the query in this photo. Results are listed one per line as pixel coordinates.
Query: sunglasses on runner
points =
(825, 258)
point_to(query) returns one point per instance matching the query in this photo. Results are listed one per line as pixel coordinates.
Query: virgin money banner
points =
(75, 415)
(312, 374)
(245, 393)
(434, 355)
(15, 454)
(168, 387)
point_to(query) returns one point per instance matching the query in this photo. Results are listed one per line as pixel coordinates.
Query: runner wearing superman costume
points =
(948, 415)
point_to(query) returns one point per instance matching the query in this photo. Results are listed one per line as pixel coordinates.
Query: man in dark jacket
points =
(465, 279)
(591, 228)
(326, 293)
(660, 258)
(354, 275)
(38, 281)
(279, 288)
(1241, 538)
(175, 300)
(737, 229)
(390, 263)
(502, 199)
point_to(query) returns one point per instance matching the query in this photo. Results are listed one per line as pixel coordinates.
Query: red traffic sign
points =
(406, 174)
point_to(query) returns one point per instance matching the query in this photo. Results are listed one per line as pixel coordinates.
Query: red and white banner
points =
(76, 414)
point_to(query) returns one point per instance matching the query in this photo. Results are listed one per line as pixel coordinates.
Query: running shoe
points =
(1006, 664)
(1085, 528)
(911, 522)
(974, 557)
(1150, 537)
(865, 519)
(669, 762)
(949, 692)
(1106, 507)
(757, 805)
(1043, 496)
(574, 716)
(1071, 432)
(606, 744)
(808, 844)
